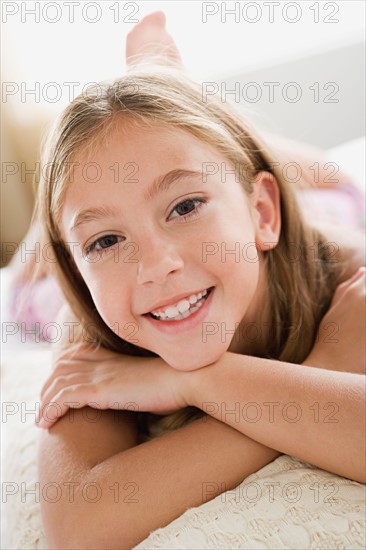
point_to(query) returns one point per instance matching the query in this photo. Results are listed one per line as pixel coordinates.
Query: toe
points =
(156, 18)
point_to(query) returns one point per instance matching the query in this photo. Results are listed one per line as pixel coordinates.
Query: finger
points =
(359, 281)
(65, 374)
(64, 368)
(74, 397)
(355, 277)
(362, 271)
(46, 386)
(50, 413)
(56, 384)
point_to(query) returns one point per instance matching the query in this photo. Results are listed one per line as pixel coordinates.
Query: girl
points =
(190, 269)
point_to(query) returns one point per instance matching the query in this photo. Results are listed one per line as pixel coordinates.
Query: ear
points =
(266, 210)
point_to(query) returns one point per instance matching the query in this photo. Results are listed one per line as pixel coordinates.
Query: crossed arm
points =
(140, 487)
(196, 463)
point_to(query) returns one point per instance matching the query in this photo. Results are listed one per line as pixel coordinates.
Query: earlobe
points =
(266, 202)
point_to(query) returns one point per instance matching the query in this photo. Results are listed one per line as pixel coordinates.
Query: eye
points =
(189, 208)
(102, 244)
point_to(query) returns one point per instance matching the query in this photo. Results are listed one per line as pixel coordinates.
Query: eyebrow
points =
(159, 185)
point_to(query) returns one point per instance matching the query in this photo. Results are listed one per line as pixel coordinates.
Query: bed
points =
(286, 504)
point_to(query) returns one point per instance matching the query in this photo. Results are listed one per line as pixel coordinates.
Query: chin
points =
(188, 364)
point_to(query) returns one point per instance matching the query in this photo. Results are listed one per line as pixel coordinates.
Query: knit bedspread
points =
(287, 504)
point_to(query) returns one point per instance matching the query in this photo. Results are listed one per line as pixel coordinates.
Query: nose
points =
(158, 260)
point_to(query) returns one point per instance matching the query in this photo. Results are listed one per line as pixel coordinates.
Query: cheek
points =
(113, 309)
(231, 248)
(235, 261)
(115, 312)
(241, 276)
(109, 299)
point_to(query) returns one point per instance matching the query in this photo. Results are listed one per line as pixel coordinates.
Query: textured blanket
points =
(287, 504)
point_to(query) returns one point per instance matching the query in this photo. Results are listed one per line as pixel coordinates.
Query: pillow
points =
(286, 504)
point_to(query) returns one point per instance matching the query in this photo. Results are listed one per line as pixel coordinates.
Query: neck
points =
(254, 328)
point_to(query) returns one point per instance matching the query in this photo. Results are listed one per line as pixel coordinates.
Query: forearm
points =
(315, 415)
(148, 486)
(170, 473)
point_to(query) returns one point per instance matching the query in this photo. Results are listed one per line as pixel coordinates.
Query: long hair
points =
(299, 288)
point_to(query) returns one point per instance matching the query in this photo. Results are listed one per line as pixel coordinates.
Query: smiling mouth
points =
(192, 309)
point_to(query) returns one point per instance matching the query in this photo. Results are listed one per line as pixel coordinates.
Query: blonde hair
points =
(300, 290)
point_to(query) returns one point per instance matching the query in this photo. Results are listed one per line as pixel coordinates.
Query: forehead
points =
(129, 141)
(136, 154)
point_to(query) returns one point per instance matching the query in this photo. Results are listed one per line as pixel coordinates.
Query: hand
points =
(340, 344)
(104, 379)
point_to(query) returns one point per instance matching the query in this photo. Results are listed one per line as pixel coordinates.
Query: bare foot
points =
(149, 42)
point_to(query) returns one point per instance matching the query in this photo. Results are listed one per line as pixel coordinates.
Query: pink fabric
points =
(36, 308)
(341, 206)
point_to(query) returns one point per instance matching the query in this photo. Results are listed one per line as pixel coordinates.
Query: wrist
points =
(190, 385)
(194, 381)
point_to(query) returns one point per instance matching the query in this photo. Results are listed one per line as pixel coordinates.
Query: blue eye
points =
(102, 244)
(188, 208)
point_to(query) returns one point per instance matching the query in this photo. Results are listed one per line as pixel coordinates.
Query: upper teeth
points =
(181, 307)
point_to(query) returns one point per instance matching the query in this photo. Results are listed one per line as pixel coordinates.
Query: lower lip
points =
(191, 322)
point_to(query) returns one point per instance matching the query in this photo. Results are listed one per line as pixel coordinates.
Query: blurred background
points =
(297, 67)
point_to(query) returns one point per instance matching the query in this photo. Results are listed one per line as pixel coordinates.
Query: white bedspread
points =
(287, 504)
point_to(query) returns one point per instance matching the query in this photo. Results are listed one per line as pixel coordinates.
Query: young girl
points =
(184, 256)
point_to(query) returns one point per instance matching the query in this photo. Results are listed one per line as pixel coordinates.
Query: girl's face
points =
(157, 218)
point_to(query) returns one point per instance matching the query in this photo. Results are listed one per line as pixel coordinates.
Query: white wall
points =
(213, 45)
(318, 99)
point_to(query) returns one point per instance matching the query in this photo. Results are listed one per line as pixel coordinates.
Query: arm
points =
(316, 414)
(141, 487)
(65, 455)
(194, 447)
(313, 414)
(184, 468)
